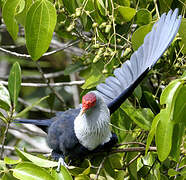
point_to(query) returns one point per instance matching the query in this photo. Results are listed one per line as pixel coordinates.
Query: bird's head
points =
(88, 101)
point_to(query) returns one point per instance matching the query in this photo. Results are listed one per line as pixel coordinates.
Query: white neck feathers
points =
(92, 128)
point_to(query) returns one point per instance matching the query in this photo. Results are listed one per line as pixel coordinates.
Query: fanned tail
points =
(117, 88)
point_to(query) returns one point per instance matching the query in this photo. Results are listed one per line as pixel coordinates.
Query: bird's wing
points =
(116, 89)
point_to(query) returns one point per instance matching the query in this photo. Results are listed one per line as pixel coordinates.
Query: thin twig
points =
(71, 50)
(100, 167)
(151, 167)
(128, 143)
(73, 83)
(60, 98)
(36, 107)
(132, 160)
(26, 56)
(38, 77)
(132, 149)
(177, 165)
(156, 6)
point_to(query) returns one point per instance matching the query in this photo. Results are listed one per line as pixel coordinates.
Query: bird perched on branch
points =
(78, 132)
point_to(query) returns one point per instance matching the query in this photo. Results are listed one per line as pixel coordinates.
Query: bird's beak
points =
(82, 111)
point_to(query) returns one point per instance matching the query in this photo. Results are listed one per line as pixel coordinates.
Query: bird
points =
(78, 132)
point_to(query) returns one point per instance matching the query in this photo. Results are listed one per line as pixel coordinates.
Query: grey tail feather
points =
(42, 124)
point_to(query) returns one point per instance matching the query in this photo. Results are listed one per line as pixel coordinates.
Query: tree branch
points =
(26, 56)
(36, 107)
(132, 149)
(38, 77)
(10, 148)
(73, 83)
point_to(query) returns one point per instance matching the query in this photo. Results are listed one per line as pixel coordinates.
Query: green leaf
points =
(63, 175)
(7, 160)
(38, 161)
(95, 76)
(2, 117)
(83, 170)
(149, 100)
(122, 120)
(173, 97)
(124, 2)
(14, 83)
(127, 13)
(30, 107)
(163, 135)
(39, 27)
(21, 17)
(114, 160)
(133, 166)
(29, 171)
(177, 137)
(70, 5)
(152, 132)
(172, 172)
(168, 93)
(139, 35)
(165, 6)
(179, 112)
(2, 165)
(182, 34)
(82, 177)
(4, 98)
(8, 176)
(9, 12)
(73, 68)
(138, 92)
(101, 7)
(143, 17)
(142, 117)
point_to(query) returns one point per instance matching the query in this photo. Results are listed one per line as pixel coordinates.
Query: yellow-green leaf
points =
(183, 34)
(30, 107)
(39, 27)
(38, 161)
(21, 17)
(14, 83)
(29, 171)
(143, 17)
(9, 12)
(127, 13)
(163, 135)
(139, 35)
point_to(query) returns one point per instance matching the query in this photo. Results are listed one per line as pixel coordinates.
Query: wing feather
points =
(116, 89)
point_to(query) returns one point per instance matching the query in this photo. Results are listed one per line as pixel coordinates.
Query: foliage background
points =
(87, 40)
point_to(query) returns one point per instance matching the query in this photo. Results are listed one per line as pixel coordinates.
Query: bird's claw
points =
(61, 162)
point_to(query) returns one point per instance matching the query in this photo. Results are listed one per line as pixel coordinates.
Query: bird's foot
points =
(61, 162)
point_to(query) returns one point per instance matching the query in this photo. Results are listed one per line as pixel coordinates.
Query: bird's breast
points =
(91, 133)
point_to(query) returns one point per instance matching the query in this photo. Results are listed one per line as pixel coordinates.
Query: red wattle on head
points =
(88, 101)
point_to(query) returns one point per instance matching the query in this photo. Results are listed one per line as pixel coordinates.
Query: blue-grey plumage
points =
(129, 75)
(77, 132)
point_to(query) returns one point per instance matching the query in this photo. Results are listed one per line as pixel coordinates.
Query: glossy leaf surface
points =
(39, 27)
